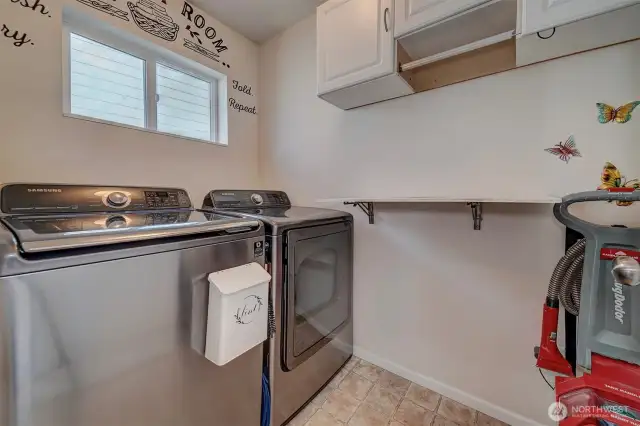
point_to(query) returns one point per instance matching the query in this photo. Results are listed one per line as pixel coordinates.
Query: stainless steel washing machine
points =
(103, 309)
(310, 254)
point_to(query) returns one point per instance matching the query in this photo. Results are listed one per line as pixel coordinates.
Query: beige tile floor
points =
(363, 394)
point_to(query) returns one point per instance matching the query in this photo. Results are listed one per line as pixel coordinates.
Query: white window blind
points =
(106, 83)
(184, 103)
(116, 78)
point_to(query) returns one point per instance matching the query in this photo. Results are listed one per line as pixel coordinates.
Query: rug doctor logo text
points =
(618, 296)
(618, 300)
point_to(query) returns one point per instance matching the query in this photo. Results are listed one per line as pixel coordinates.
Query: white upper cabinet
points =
(538, 15)
(415, 14)
(355, 42)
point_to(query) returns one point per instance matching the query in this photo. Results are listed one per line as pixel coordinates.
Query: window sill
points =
(141, 129)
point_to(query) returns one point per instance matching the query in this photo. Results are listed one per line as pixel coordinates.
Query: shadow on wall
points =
(449, 226)
(444, 301)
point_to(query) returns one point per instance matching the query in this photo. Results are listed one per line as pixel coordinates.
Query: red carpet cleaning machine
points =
(596, 281)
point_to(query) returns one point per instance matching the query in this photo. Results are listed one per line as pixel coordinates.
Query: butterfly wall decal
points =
(619, 115)
(612, 178)
(565, 151)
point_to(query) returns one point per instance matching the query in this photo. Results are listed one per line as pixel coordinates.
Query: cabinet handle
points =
(386, 24)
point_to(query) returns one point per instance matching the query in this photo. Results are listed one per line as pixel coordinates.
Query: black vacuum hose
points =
(566, 281)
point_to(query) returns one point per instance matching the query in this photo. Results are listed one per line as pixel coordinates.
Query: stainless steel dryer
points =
(310, 254)
(103, 309)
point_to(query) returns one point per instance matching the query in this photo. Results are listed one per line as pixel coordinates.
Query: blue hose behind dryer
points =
(266, 399)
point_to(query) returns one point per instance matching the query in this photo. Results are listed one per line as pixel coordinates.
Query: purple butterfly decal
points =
(565, 151)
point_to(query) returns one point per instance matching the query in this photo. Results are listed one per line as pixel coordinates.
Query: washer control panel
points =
(257, 199)
(239, 199)
(117, 199)
(46, 198)
(164, 199)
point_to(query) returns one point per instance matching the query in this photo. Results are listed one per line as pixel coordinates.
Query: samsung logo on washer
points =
(44, 190)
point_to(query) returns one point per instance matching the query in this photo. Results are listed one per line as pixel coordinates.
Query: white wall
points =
(484, 138)
(455, 309)
(40, 145)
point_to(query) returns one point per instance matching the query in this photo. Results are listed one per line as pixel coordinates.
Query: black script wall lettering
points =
(200, 22)
(34, 5)
(18, 40)
(106, 8)
(252, 304)
(244, 88)
(239, 107)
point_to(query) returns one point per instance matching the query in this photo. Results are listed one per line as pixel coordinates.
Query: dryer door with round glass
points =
(318, 288)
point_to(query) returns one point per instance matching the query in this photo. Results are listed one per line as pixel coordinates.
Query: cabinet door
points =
(544, 14)
(355, 42)
(414, 14)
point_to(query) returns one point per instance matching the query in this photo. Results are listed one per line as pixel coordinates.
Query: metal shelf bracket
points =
(367, 208)
(476, 213)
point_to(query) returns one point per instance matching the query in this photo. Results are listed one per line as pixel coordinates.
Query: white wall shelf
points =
(458, 51)
(367, 204)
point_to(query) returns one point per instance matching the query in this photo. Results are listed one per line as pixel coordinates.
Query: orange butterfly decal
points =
(619, 115)
(611, 178)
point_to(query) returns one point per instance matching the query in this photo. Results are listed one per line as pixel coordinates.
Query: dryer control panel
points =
(245, 199)
(46, 198)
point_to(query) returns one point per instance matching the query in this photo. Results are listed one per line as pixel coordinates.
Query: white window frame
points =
(152, 54)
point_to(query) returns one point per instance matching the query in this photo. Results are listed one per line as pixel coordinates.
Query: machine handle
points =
(386, 24)
(561, 210)
(623, 194)
(199, 312)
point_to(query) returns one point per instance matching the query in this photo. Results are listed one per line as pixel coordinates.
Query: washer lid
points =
(271, 207)
(288, 217)
(45, 233)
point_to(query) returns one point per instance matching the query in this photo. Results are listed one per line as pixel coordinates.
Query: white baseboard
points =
(456, 394)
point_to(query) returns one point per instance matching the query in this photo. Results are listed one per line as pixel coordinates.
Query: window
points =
(106, 83)
(129, 82)
(184, 103)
